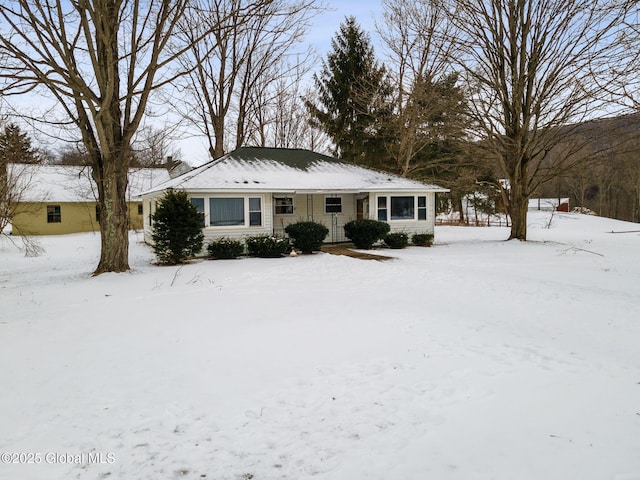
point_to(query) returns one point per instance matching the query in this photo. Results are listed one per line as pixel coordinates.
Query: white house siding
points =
(210, 232)
(312, 207)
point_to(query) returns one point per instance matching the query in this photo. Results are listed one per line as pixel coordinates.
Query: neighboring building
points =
(59, 199)
(549, 204)
(255, 191)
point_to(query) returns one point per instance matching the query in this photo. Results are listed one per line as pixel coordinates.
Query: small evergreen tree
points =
(177, 229)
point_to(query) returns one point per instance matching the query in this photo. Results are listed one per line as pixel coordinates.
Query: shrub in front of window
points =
(422, 239)
(177, 233)
(267, 246)
(307, 236)
(225, 248)
(396, 240)
(364, 233)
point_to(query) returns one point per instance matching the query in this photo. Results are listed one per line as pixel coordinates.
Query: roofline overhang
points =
(301, 191)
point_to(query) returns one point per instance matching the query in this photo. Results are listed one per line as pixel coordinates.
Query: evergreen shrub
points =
(177, 229)
(307, 236)
(364, 233)
(396, 240)
(225, 248)
(422, 239)
(267, 246)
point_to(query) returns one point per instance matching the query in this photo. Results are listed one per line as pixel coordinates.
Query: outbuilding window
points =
(54, 214)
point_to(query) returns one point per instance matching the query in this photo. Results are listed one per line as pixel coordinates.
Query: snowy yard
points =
(474, 359)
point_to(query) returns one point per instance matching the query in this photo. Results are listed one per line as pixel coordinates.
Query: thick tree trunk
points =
(518, 206)
(114, 216)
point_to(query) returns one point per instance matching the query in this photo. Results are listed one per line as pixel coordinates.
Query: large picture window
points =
(402, 208)
(224, 212)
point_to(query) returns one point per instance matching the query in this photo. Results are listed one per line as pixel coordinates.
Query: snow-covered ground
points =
(474, 359)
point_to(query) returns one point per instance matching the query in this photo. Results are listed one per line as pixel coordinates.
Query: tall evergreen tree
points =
(15, 146)
(353, 93)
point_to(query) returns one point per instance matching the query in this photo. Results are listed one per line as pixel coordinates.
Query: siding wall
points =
(305, 207)
(76, 217)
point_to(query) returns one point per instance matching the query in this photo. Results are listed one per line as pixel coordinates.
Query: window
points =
(97, 213)
(422, 208)
(53, 214)
(199, 204)
(333, 205)
(140, 209)
(255, 212)
(284, 205)
(382, 209)
(402, 208)
(224, 212)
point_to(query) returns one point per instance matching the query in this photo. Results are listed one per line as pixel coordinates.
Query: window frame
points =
(55, 214)
(276, 206)
(384, 204)
(333, 205)
(247, 209)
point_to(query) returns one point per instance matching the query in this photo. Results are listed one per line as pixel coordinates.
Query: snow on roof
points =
(65, 183)
(288, 170)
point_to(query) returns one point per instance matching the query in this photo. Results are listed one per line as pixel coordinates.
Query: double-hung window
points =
(333, 205)
(255, 211)
(198, 202)
(382, 209)
(422, 208)
(283, 205)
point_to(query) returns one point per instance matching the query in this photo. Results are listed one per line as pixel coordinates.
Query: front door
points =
(359, 208)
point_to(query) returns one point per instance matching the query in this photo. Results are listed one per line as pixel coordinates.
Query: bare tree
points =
(536, 67)
(152, 147)
(428, 105)
(252, 37)
(101, 60)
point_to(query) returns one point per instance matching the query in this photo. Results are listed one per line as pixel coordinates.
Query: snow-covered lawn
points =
(474, 359)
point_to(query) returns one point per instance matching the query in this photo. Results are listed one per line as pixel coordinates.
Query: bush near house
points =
(307, 236)
(422, 239)
(267, 246)
(225, 248)
(177, 229)
(364, 233)
(396, 240)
